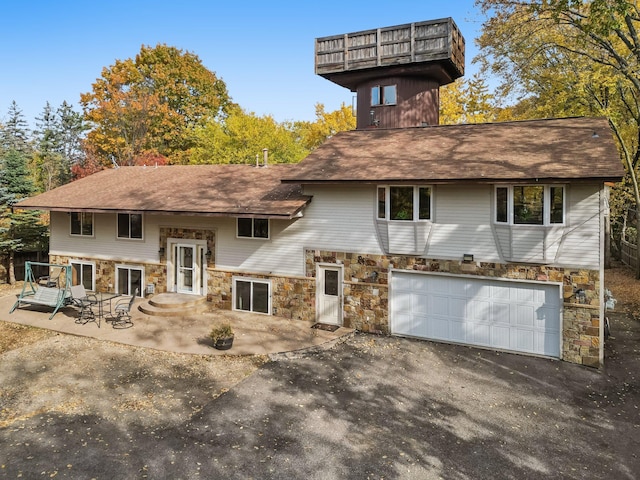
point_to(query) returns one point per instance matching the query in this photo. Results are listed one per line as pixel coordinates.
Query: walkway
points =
(254, 334)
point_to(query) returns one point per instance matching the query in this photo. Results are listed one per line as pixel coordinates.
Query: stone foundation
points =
(366, 290)
(366, 302)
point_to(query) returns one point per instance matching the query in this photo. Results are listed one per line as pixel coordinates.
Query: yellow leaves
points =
(467, 101)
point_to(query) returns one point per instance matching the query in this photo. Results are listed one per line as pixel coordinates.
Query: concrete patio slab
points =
(255, 334)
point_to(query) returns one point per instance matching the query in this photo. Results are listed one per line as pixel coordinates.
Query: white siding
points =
(462, 225)
(343, 219)
(581, 245)
(338, 219)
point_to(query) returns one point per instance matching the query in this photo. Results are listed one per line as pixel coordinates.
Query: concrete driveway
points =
(370, 408)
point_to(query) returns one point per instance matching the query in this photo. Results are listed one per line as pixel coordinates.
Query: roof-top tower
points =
(396, 71)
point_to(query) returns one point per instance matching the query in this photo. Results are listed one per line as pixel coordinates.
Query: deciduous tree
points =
(152, 104)
(242, 136)
(572, 57)
(312, 134)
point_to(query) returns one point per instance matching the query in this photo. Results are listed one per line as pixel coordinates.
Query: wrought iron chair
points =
(84, 303)
(121, 313)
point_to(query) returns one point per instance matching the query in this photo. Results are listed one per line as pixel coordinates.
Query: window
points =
(83, 273)
(252, 295)
(82, 224)
(383, 95)
(404, 203)
(253, 227)
(128, 279)
(529, 205)
(130, 225)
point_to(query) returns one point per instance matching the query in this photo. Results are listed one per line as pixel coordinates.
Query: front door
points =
(186, 268)
(329, 288)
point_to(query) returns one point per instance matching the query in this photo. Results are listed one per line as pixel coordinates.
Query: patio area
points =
(255, 334)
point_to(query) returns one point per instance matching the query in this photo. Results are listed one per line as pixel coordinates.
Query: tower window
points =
(383, 95)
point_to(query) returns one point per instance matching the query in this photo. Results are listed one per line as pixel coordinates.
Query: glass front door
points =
(185, 268)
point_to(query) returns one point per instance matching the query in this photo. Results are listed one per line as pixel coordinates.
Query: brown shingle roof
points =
(188, 189)
(555, 149)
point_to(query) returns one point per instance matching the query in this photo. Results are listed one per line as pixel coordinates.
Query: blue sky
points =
(54, 50)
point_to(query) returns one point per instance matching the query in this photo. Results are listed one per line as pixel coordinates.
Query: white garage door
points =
(505, 315)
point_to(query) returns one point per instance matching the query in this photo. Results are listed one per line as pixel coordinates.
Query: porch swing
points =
(44, 291)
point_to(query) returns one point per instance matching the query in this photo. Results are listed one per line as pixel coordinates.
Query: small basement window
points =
(252, 295)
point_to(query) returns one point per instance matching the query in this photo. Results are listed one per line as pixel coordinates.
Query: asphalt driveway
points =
(370, 408)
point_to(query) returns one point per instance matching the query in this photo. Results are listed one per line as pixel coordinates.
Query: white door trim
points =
(200, 265)
(329, 308)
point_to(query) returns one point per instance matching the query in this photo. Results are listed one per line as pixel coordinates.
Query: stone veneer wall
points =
(366, 302)
(190, 234)
(106, 272)
(291, 297)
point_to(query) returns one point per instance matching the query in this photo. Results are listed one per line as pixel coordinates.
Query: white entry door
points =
(186, 269)
(329, 294)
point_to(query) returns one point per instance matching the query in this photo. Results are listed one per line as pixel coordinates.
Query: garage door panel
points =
(457, 308)
(500, 314)
(439, 328)
(525, 316)
(458, 331)
(501, 337)
(420, 304)
(480, 334)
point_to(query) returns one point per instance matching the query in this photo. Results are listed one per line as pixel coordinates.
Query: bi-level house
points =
(488, 235)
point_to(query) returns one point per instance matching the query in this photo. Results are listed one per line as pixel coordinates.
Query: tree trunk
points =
(12, 271)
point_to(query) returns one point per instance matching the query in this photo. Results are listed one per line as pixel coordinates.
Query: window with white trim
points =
(404, 203)
(83, 273)
(130, 226)
(383, 95)
(81, 224)
(252, 295)
(128, 279)
(253, 228)
(530, 204)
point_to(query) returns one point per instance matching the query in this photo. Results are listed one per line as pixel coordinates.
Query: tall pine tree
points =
(20, 230)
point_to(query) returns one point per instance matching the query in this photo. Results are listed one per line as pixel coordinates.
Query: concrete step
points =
(174, 304)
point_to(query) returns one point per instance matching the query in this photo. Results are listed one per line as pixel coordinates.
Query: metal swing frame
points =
(35, 294)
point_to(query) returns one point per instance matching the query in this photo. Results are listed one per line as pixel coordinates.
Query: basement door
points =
(503, 315)
(329, 294)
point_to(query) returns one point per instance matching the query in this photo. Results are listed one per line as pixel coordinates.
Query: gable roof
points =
(537, 150)
(213, 190)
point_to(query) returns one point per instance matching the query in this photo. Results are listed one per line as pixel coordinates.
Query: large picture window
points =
(529, 205)
(253, 228)
(81, 224)
(404, 203)
(252, 295)
(130, 225)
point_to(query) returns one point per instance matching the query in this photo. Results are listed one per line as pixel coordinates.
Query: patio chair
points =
(122, 312)
(84, 302)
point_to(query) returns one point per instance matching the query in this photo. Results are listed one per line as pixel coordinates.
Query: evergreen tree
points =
(19, 230)
(15, 132)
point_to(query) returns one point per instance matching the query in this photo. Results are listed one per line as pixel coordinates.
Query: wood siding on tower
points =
(417, 104)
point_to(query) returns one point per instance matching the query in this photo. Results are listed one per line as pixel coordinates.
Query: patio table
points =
(100, 299)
